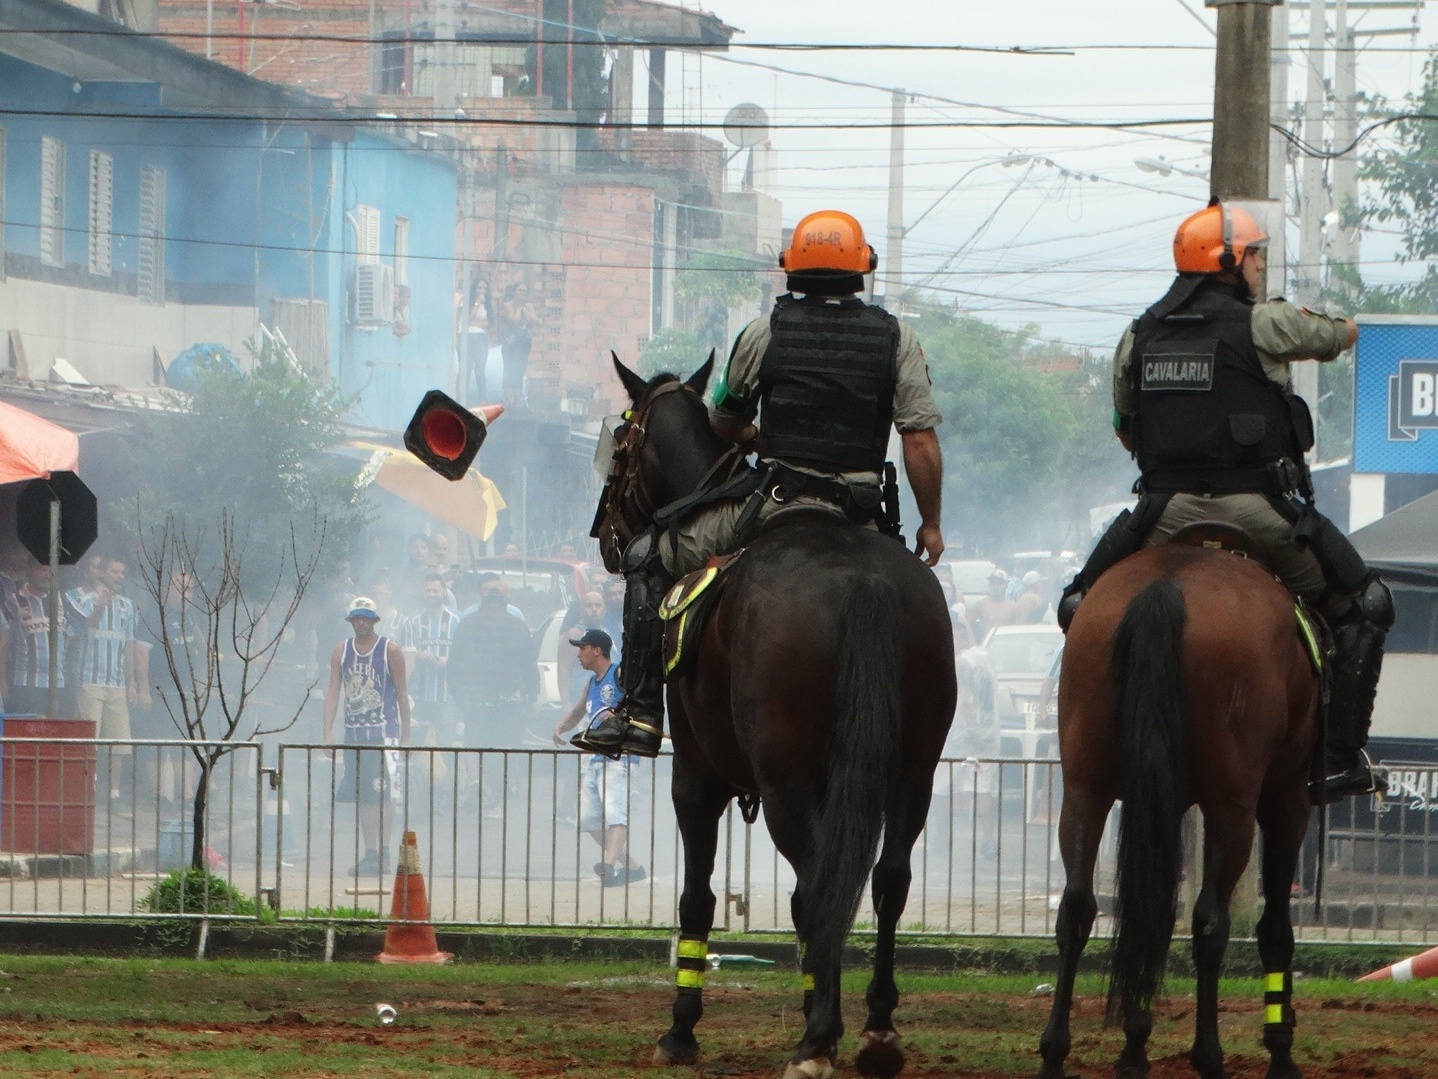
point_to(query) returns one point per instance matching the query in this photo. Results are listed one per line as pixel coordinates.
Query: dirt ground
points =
(607, 1026)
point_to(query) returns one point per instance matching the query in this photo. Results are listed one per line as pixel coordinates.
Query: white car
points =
(1022, 657)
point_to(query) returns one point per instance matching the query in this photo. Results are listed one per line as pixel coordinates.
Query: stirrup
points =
(604, 737)
(1358, 778)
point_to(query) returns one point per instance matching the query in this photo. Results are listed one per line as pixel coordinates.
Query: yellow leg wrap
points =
(689, 979)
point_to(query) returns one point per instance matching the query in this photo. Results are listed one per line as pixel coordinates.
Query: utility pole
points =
(1343, 244)
(1278, 150)
(894, 256)
(1241, 108)
(1312, 201)
(1240, 99)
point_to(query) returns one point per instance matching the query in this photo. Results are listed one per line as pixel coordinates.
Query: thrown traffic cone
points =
(1422, 965)
(412, 941)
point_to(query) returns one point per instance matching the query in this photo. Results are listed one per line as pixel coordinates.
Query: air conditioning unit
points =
(374, 294)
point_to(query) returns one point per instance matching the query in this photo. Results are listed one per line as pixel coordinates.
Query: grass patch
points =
(173, 1018)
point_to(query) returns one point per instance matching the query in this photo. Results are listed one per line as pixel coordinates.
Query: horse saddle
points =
(684, 609)
(1221, 535)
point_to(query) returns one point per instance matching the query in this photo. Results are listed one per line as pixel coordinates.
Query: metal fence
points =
(514, 838)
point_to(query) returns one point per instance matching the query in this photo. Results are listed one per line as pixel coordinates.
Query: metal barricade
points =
(525, 838)
(69, 849)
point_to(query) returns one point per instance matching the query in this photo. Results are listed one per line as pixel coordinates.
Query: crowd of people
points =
(462, 669)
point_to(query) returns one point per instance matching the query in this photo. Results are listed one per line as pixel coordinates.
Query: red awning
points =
(32, 448)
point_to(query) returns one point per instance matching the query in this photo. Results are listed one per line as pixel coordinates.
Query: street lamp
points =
(1164, 167)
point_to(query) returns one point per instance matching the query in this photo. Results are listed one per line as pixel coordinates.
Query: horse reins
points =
(627, 506)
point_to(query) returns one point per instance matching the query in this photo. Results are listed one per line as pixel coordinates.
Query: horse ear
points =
(634, 386)
(699, 380)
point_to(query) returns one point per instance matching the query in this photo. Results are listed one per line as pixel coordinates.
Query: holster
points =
(888, 515)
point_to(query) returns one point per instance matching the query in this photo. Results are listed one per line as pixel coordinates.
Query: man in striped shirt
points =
(29, 661)
(428, 636)
(107, 684)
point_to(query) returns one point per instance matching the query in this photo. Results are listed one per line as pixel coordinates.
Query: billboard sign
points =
(1395, 408)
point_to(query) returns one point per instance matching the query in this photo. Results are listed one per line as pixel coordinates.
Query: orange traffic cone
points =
(413, 941)
(1423, 965)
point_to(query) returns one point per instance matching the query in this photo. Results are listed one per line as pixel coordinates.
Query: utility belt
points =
(860, 503)
(1283, 478)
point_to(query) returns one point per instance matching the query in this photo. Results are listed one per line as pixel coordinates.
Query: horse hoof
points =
(668, 1058)
(880, 1055)
(816, 1068)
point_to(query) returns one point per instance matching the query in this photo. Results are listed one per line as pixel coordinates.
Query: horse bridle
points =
(626, 507)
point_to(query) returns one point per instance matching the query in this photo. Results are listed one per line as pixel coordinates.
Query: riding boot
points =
(636, 724)
(1358, 648)
(1125, 535)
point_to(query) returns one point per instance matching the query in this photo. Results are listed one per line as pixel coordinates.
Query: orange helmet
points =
(1215, 239)
(828, 240)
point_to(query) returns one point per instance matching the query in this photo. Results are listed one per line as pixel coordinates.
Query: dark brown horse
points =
(824, 687)
(1184, 682)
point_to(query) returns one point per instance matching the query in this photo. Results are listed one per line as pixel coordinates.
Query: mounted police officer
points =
(1203, 399)
(832, 376)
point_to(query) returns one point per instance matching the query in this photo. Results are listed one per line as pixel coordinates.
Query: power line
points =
(339, 117)
(411, 36)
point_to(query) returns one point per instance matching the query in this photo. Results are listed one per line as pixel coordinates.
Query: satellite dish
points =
(746, 125)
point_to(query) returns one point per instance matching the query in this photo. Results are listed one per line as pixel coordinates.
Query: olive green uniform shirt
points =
(1281, 332)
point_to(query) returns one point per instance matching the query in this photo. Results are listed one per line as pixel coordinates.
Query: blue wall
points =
(254, 212)
(392, 373)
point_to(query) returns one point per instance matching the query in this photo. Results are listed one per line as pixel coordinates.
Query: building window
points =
(52, 201)
(102, 210)
(401, 251)
(367, 224)
(150, 267)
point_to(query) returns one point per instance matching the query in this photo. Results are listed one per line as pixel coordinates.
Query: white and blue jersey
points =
(601, 694)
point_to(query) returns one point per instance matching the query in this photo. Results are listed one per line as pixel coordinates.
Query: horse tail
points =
(863, 768)
(1147, 664)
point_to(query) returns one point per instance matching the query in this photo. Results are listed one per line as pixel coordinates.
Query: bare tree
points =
(219, 633)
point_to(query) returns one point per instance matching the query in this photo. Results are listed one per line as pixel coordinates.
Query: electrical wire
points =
(341, 117)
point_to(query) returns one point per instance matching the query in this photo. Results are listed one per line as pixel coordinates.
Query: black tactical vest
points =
(1208, 417)
(826, 384)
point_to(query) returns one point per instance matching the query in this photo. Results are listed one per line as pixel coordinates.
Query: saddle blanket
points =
(684, 609)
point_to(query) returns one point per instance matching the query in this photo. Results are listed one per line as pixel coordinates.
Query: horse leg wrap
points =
(693, 961)
(1278, 1002)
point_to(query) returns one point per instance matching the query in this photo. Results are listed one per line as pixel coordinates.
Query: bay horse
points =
(823, 687)
(1184, 682)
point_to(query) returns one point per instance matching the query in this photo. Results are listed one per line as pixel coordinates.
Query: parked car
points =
(1021, 658)
(971, 578)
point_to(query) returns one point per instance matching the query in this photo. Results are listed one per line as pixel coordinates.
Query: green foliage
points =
(196, 891)
(1028, 447)
(678, 352)
(252, 446)
(1406, 174)
(711, 283)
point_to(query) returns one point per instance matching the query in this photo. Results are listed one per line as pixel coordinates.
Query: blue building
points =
(151, 200)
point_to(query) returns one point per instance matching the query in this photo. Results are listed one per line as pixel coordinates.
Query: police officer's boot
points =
(1358, 648)
(1122, 539)
(636, 725)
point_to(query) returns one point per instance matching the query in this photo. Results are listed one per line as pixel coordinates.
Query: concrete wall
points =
(108, 336)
